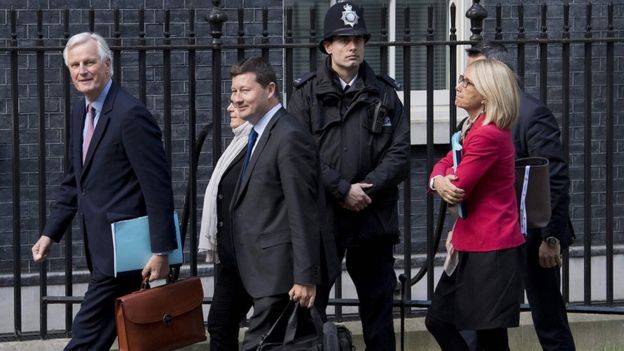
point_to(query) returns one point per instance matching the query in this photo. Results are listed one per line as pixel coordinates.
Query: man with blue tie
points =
(280, 248)
(117, 170)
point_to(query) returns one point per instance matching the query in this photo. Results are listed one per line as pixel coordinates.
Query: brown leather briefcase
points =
(166, 317)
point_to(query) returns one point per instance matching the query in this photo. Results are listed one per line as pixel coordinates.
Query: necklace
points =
(468, 124)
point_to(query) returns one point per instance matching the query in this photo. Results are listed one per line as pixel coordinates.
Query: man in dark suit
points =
(117, 170)
(276, 220)
(537, 134)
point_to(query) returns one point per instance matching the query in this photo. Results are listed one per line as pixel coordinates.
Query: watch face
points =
(551, 241)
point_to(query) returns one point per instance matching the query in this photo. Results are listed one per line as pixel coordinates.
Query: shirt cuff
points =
(166, 253)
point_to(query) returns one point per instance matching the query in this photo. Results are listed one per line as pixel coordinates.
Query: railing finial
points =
(476, 13)
(216, 18)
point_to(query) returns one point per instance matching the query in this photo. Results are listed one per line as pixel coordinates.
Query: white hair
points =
(102, 46)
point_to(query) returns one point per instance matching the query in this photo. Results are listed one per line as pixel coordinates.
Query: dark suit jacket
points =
(276, 214)
(125, 175)
(537, 134)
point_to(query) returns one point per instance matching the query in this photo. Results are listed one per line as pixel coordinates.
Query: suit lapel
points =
(102, 123)
(261, 143)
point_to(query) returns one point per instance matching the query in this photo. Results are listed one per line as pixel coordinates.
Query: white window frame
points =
(418, 108)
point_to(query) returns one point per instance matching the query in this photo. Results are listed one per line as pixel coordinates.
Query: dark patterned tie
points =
(251, 141)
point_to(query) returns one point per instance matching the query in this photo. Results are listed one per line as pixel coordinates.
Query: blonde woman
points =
(483, 289)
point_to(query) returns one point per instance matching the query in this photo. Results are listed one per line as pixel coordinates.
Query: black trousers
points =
(371, 267)
(547, 306)
(93, 328)
(230, 303)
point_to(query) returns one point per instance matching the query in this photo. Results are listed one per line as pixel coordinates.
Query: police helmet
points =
(344, 19)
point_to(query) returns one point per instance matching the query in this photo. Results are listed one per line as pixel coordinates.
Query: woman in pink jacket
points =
(481, 288)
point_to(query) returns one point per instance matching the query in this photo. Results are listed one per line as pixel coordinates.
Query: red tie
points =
(89, 134)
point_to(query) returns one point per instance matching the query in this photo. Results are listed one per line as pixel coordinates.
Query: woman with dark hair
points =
(230, 301)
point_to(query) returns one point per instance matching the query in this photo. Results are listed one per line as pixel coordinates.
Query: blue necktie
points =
(251, 141)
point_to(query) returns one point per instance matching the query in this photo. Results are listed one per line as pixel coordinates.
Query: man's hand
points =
(356, 199)
(549, 256)
(156, 268)
(447, 191)
(304, 294)
(41, 249)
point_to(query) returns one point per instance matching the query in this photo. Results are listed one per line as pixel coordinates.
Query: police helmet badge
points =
(349, 17)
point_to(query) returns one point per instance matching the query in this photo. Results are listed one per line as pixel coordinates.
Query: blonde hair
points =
(499, 87)
(103, 50)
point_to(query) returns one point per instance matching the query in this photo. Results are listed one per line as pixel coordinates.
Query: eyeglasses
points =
(463, 82)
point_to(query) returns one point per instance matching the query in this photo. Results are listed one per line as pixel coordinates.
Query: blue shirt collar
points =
(262, 123)
(99, 101)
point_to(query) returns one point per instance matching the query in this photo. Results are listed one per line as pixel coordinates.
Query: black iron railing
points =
(189, 52)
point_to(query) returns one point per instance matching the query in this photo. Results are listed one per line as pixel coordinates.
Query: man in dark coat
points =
(117, 171)
(537, 134)
(357, 121)
(281, 249)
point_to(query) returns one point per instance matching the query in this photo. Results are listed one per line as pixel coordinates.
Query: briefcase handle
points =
(170, 279)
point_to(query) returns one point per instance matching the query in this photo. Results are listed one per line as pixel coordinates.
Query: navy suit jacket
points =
(279, 237)
(125, 175)
(537, 134)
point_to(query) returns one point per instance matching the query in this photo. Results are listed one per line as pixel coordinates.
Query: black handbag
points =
(292, 340)
(533, 192)
(336, 337)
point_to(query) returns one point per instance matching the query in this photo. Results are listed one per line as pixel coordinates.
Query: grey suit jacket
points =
(276, 212)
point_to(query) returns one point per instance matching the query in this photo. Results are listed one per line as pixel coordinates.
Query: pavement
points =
(591, 332)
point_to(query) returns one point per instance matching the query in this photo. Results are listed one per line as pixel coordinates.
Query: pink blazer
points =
(486, 173)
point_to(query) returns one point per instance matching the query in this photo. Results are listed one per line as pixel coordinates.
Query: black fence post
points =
(265, 33)
(430, 122)
(15, 182)
(288, 53)
(167, 88)
(383, 38)
(407, 183)
(69, 281)
(313, 40)
(565, 128)
(192, 122)
(587, 158)
(521, 44)
(142, 68)
(609, 154)
(543, 54)
(241, 34)
(43, 287)
(117, 50)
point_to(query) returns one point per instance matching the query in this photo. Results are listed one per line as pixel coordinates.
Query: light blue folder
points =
(457, 149)
(132, 247)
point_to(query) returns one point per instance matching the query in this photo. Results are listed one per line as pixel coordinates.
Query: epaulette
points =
(390, 81)
(304, 78)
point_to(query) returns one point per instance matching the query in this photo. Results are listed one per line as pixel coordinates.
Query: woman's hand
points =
(447, 191)
(449, 240)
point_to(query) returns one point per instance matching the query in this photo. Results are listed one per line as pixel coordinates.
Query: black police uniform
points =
(363, 136)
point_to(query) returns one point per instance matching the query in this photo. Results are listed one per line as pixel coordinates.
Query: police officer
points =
(357, 121)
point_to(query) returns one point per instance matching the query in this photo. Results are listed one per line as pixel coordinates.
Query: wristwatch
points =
(551, 241)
